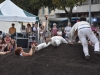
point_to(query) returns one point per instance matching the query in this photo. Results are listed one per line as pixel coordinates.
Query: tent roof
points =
(11, 12)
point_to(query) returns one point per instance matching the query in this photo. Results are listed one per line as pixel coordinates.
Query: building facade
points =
(77, 11)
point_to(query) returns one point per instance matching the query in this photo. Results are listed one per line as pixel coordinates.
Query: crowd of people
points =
(81, 31)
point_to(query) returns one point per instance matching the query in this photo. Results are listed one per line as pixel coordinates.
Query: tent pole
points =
(38, 32)
(47, 24)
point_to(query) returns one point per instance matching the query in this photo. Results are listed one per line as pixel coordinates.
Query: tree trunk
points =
(69, 14)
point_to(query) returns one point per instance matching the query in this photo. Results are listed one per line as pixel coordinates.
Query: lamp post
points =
(46, 17)
(90, 11)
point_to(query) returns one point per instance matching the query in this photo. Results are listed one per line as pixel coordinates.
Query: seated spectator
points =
(13, 44)
(2, 45)
(7, 38)
(19, 51)
(7, 41)
(12, 30)
(59, 32)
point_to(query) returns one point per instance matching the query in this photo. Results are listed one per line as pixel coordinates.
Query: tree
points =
(64, 4)
(59, 4)
(27, 5)
(33, 6)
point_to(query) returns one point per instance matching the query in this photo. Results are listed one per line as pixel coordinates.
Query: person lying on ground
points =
(55, 40)
(19, 51)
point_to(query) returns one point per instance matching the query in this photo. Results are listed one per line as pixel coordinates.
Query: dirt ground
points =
(63, 60)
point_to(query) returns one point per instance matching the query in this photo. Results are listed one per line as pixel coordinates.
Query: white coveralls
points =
(84, 30)
(41, 46)
(57, 40)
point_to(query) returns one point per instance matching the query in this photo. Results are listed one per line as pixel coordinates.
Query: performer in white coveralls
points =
(55, 40)
(41, 46)
(83, 30)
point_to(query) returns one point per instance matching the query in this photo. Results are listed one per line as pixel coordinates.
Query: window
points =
(42, 10)
(86, 2)
(95, 1)
(49, 11)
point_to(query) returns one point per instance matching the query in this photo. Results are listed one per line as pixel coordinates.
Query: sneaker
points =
(97, 53)
(87, 57)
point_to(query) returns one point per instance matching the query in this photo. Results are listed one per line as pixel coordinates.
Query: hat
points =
(54, 24)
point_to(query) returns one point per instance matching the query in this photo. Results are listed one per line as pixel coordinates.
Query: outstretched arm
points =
(2, 53)
(30, 53)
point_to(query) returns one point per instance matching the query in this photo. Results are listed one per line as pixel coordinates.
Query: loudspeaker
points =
(22, 42)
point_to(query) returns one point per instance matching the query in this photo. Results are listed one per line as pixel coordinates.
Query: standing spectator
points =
(59, 32)
(28, 29)
(12, 30)
(67, 30)
(54, 30)
(98, 31)
(41, 32)
(92, 27)
(37, 29)
(47, 33)
(63, 32)
(34, 28)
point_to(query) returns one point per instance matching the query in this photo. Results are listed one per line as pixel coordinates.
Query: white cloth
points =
(41, 46)
(34, 29)
(72, 34)
(67, 30)
(57, 40)
(21, 54)
(59, 33)
(84, 30)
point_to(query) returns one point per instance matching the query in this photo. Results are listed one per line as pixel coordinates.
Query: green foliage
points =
(33, 6)
(61, 4)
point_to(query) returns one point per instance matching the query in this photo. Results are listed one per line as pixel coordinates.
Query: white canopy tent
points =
(9, 12)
